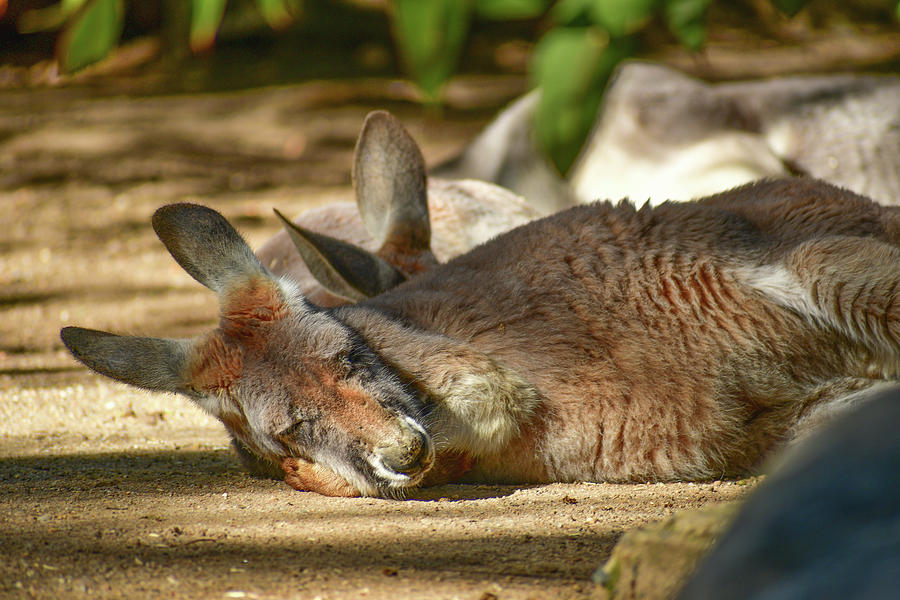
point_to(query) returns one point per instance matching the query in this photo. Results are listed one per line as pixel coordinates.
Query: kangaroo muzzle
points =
(405, 455)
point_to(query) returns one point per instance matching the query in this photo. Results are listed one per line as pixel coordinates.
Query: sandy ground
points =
(107, 491)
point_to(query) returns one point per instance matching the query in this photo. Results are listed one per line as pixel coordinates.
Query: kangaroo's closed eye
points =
(302, 426)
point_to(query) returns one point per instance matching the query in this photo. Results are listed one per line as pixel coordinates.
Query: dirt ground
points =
(106, 491)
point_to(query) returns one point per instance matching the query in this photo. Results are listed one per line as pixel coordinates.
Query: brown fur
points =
(216, 364)
(306, 476)
(254, 302)
(692, 373)
(604, 343)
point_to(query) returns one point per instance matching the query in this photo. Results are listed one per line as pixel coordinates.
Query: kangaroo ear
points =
(389, 179)
(205, 245)
(150, 363)
(343, 269)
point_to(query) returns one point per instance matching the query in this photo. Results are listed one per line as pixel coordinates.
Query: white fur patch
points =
(784, 289)
(485, 410)
(826, 412)
(625, 161)
(782, 138)
(340, 466)
(214, 405)
(377, 464)
(293, 295)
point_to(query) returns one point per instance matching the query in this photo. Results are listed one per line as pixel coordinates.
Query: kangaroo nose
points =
(406, 453)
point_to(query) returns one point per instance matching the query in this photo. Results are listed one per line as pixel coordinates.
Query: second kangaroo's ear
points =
(343, 269)
(389, 179)
(205, 245)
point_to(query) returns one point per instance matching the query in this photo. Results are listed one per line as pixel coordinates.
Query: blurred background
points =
(567, 47)
(111, 108)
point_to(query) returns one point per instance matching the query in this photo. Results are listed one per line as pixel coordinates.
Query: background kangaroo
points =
(662, 135)
(603, 343)
(399, 226)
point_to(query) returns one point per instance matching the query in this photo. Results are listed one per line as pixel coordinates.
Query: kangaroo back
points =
(664, 135)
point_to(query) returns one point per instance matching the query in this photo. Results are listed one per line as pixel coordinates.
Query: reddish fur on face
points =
(216, 364)
(354, 409)
(255, 302)
(410, 261)
(349, 406)
(309, 477)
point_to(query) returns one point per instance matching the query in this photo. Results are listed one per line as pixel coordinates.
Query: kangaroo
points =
(662, 135)
(698, 138)
(399, 226)
(603, 343)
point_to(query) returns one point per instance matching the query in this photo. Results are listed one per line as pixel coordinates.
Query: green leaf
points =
(70, 6)
(44, 19)
(568, 12)
(687, 20)
(789, 7)
(430, 35)
(278, 13)
(90, 34)
(621, 17)
(511, 9)
(206, 16)
(571, 67)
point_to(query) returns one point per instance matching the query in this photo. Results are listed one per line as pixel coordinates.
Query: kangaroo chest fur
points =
(609, 343)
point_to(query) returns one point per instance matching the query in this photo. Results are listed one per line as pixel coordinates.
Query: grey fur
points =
(663, 135)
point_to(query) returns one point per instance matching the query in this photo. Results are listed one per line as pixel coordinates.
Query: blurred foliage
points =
(790, 7)
(206, 16)
(585, 56)
(431, 34)
(581, 44)
(573, 60)
(604, 31)
(91, 28)
(685, 19)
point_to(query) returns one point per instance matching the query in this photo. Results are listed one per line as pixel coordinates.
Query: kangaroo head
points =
(292, 383)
